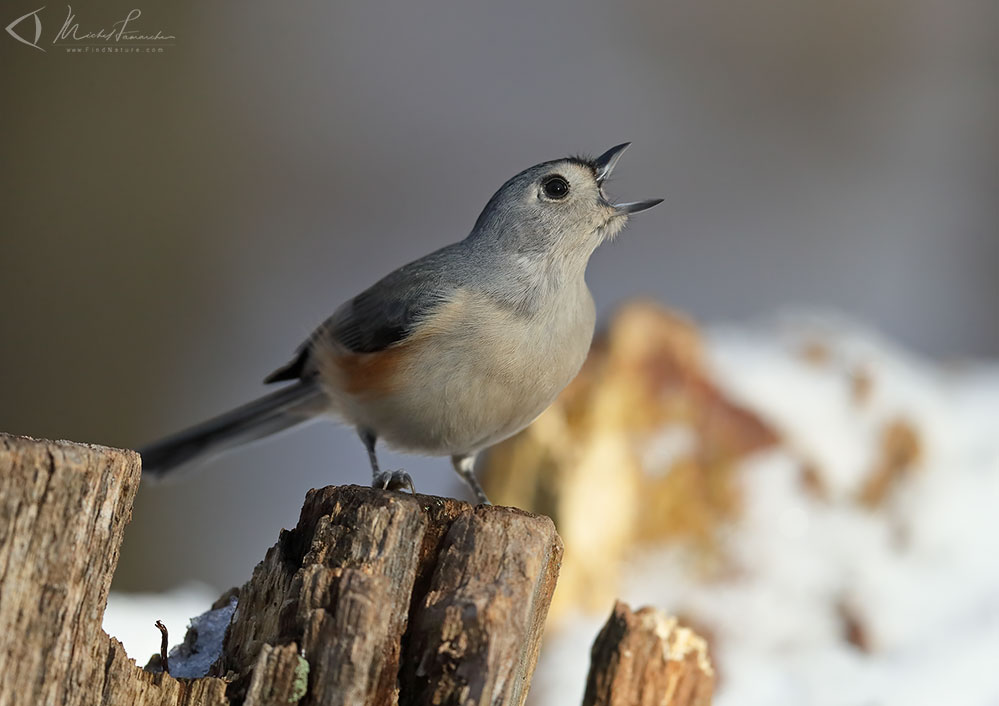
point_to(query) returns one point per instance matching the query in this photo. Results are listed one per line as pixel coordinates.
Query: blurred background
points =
(176, 223)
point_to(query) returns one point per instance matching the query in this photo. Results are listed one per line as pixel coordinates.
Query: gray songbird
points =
(453, 352)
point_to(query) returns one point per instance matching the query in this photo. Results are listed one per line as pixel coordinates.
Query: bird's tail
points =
(267, 415)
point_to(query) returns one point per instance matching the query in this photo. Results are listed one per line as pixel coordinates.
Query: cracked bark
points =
(373, 598)
(394, 599)
(63, 508)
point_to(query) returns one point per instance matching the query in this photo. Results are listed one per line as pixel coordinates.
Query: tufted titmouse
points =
(453, 352)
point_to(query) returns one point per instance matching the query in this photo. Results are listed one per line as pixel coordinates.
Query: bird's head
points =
(557, 208)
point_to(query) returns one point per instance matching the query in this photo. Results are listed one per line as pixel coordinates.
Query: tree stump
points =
(396, 599)
(645, 658)
(63, 509)
(374, 598)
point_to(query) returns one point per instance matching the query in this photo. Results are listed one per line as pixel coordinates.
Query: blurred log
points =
(374, 597)
(645, 658)
(900, 450)
(646, 433)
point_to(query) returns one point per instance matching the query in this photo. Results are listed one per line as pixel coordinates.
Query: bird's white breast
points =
(480, 372)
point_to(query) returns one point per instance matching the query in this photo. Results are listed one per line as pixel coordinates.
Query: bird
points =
(455, 351)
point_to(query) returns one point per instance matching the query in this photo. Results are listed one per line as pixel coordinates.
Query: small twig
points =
(164, 643)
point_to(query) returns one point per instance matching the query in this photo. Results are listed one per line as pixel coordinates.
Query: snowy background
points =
(919, 575)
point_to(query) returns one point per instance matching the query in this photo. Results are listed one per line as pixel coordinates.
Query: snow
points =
(919, 574)
(671, 444)
(191, 661)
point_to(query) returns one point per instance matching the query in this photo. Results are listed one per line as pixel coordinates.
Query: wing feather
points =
(385, 314)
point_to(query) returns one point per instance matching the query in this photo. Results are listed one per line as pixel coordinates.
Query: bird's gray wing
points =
(384, 314)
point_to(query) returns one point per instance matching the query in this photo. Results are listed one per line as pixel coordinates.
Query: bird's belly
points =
(467, 387)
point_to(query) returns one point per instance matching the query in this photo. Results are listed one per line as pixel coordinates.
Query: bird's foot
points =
(393, 480)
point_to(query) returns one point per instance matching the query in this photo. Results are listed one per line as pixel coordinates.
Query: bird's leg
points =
(463, 466)
(369, 440)
(386, 480)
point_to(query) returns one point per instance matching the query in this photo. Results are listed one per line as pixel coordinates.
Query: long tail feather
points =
(267, 415)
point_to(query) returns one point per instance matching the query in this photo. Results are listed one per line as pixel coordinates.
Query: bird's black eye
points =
(555, 187)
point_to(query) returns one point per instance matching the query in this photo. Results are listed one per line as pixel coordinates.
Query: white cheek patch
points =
(614, 225)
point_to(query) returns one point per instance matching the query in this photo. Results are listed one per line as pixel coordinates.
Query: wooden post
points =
(374, 597)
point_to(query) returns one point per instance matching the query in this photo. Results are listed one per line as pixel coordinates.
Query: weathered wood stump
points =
(396, 599)
(646, 658)
(373, 598)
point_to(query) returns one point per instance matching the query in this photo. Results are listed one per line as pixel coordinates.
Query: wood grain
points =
(374, 598)
(63, 509)
(645, 658)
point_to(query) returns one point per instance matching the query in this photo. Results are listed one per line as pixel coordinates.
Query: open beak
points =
(637, 206)
(604, 165)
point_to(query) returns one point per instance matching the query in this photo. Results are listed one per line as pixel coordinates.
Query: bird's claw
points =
(393, 480)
